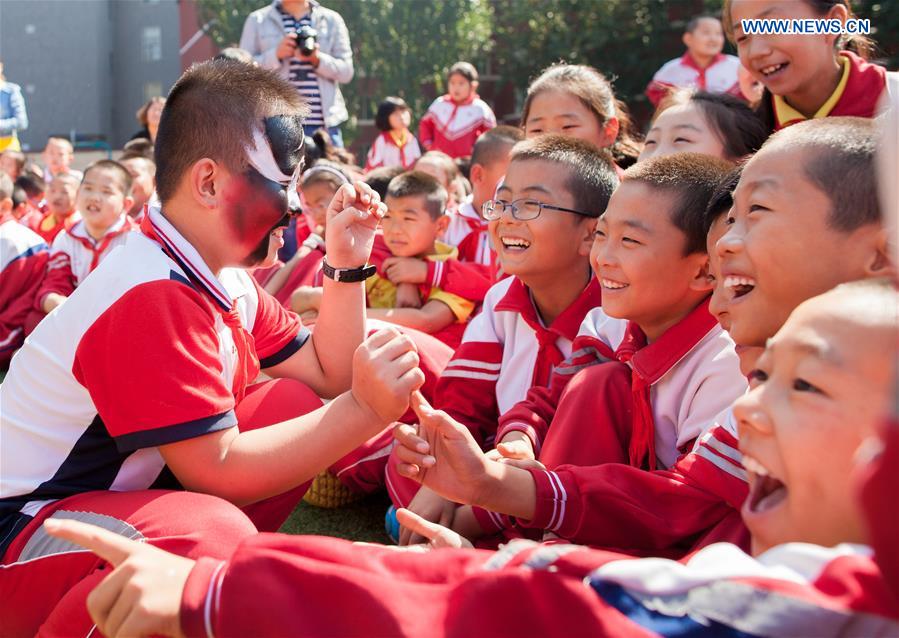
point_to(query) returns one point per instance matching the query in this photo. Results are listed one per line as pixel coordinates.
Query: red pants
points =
(362, 470)
(44, 583)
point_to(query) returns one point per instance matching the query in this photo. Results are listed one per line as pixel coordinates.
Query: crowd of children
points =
(620, 380)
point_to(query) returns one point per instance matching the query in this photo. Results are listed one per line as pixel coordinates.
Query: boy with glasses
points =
(541, 226)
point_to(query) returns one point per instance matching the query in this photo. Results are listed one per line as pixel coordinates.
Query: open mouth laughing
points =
(766, 491)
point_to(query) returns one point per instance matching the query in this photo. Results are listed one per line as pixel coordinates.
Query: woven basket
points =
(328, 492)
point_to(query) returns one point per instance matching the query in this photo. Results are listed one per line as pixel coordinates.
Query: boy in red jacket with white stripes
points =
(454, 121)
(541, 223)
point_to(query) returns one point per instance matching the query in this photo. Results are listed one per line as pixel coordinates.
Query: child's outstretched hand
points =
(142, 595)
(430, 506)
(514, 446)
(352, 218)
(441, 454)
(436, 535)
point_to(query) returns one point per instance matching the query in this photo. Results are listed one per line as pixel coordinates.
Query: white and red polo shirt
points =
(718, 77)
(151, 349)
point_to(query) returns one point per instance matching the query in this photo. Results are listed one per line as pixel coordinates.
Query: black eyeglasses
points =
(523, 209)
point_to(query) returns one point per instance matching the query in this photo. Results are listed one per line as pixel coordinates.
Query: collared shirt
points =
(142, 354)
(856, 94)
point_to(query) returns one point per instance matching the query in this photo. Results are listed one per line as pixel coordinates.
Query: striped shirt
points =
(302, 73)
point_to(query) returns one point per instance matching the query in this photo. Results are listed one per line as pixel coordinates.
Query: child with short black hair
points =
(61, 212)
(700, 122)
(455, 121)
(143, 176)
(702, 67)
(58, 156)
(103, 201)
(529, 320)
(396, 145)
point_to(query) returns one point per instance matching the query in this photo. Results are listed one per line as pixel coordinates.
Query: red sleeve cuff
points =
(552, 504)
(198, 597)
(518, 426)
(490, 522)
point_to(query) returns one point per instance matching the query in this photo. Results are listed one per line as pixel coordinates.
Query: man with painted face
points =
(133, 404)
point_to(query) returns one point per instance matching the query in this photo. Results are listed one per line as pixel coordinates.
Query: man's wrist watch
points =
(347, 275)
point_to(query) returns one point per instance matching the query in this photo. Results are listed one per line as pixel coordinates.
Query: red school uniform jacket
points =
(23, 262)
(48, 228)
(507, 350)
(277, 585)
(454, 127)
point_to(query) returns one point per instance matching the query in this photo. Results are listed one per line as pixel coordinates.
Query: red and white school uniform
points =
(857, 94)
(647, 406)
(386, 150)
(690, 375)
(277, 585)
(48, 228)
(454, 127)
(75, 254)
(505, 351)
(718, 77)
(23, 262)
(152, 348)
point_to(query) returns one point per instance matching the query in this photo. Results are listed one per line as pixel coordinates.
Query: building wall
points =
(81, 63)
(142, 67)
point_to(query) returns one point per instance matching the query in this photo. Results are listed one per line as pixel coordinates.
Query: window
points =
(151, 44)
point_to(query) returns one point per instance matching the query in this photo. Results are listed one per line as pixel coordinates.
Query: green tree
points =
(225, 18)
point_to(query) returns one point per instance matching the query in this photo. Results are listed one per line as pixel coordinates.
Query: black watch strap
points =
(348, 275)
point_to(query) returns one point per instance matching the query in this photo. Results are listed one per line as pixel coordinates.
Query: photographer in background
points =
(310, 47)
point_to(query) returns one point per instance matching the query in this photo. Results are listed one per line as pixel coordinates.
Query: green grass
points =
(360, 521)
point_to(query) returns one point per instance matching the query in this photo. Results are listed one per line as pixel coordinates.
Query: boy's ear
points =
(610, 131)
(202, 182)
(128, 202)
(879, 264)
(475, 174)
(5, 206)
(687, 39)
(474, 85)
(442, 224)
(701, 281)
(587, 227)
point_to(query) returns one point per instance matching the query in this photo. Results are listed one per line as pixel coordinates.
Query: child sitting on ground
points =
(814, 569)
(473, 274)
(415, 219)
(808, 192)
(541, 223)
(700, 122)
(455, 121)
(702, 67)
(103, 200)
(395, 146)
(668, 369)
(61, 212)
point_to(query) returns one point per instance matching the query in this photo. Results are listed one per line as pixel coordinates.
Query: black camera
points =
(306, 37)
